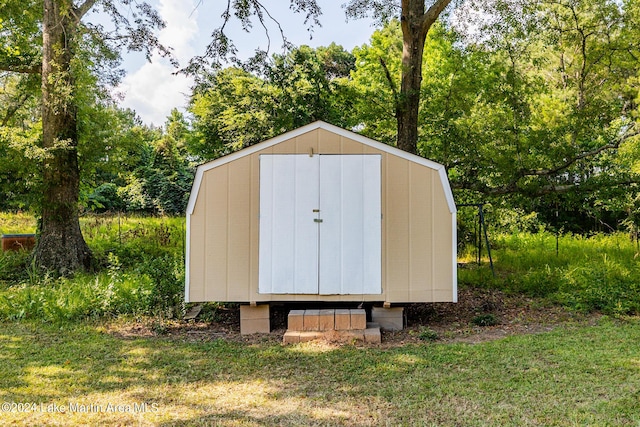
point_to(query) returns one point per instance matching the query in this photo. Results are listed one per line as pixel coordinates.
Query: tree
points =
(168, 177)
(19, 131)
(236, 107)
(415, 20)
(566, 100)
(49, 44)
(505, 117)
(231, 109)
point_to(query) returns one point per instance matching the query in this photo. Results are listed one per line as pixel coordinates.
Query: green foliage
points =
(13, 266)
(598, 273)
(167, 179)
(19, 138)
(375, 103)
(136, 168)
(80, 298)
(521, 115)
(486, 319)
(105, 198)
(141, 273)
(236, 107)
(167, 276)
(21, 34)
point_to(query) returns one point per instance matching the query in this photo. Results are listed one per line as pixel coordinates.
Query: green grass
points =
(59, 346)
(598, 273)
(139, 271)
(568, 377)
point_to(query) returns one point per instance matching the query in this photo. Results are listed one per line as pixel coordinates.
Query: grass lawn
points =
(83, 374)
(64, 360)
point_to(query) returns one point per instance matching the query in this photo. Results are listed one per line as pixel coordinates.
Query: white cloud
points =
(152, 90)
(182, 27)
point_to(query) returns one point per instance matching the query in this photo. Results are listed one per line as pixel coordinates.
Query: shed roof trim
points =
(330, 128)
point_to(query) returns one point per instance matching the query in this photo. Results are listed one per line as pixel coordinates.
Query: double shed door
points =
(320, 224)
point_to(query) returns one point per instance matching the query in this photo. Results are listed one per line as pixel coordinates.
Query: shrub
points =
(486, 319)
(14, 266)
(167, 278)
(427, 334)
(105, 198)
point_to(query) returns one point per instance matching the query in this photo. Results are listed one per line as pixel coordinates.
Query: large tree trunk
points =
(415, 26)
(413, 38)
(61, 246)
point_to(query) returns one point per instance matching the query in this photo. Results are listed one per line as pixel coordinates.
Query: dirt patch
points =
(442, 322)
(462, 322)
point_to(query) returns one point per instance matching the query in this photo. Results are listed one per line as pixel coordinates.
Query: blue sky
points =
(151, 89)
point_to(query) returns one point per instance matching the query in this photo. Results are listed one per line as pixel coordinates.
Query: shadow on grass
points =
(582, 375)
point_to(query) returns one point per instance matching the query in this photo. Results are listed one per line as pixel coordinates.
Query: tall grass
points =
(596, 273)
(17, 223)
(139, 270)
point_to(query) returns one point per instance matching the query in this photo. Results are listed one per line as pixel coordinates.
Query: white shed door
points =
(289, 194)
(320, 224)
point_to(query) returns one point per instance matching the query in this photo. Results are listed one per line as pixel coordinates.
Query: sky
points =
(153, 90)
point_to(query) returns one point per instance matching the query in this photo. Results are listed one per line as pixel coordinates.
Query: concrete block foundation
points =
(389, 319)
(332, 325)
(254, 319)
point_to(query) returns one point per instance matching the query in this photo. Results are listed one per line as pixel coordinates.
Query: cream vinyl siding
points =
(418, 232)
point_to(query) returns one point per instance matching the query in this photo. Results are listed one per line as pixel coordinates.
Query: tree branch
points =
(566, 188)
(22, 68)
(611, 146)
(80, 11)
(13, 109)
(511, 188)
(392, 85)
(433, 13)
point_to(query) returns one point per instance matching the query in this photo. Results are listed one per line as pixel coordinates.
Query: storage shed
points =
(321, 214)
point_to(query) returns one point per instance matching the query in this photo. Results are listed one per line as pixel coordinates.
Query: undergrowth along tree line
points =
(140, 271)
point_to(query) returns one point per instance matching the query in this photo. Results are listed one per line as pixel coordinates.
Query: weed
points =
(167, 275)
(13, 266)
(159, 326)
(141, 271)
(427, 334)
(487, 319)
(211, 312)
